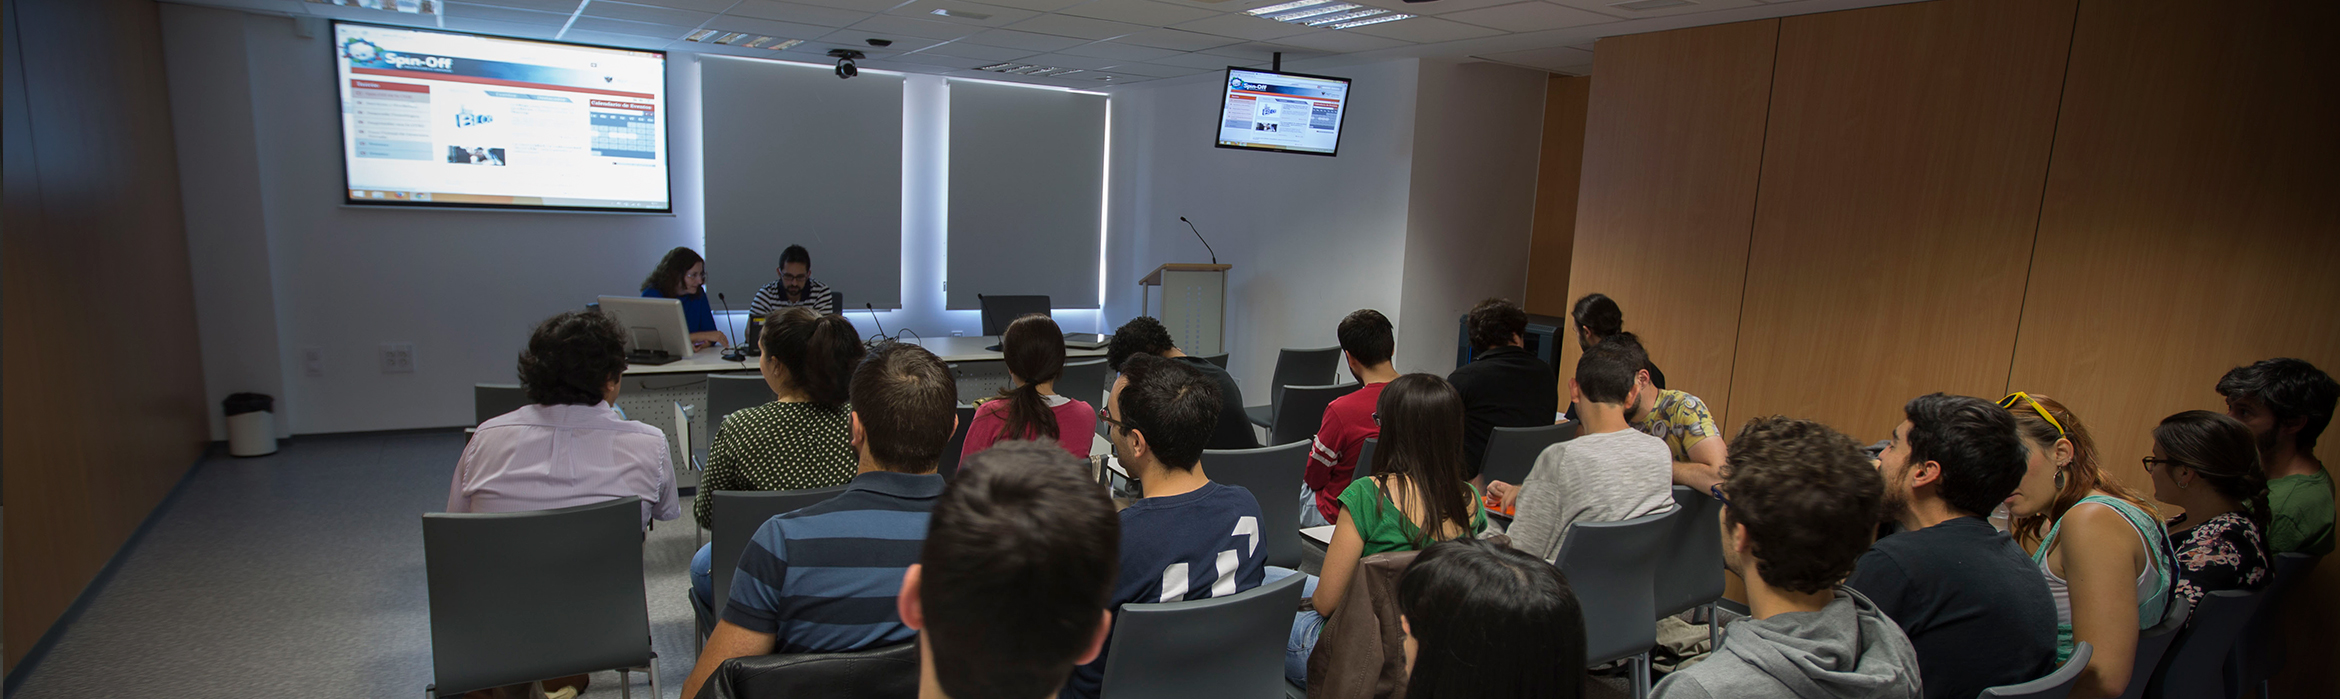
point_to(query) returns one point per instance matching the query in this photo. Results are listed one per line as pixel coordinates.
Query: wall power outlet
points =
(398, 358)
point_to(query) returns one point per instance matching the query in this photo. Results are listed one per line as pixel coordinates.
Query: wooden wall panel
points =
(95, 260)
(1902, 171)
(2191, 225)
(1557, 168)
(1673, 145)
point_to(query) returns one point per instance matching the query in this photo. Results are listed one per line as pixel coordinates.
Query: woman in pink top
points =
(1034, 350)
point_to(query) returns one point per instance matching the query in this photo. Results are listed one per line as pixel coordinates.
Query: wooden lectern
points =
(1194, 304)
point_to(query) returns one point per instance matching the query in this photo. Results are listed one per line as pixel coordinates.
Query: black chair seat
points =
(878, 673)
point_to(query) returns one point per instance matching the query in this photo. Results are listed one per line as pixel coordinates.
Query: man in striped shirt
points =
(824, 578)
(795, 287)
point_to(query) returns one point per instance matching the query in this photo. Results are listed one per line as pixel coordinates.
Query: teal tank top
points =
(2149, 607)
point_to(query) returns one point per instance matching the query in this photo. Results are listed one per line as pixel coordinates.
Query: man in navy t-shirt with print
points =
(1189, 538)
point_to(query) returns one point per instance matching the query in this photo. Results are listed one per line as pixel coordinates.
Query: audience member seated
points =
(1609, 472)
(1598, 318)
(2208, 465)
(2102, 549)
(801, 440)
(570, 447)
(1188, 538)
(1485, 620)
(1680, 419)
(1030, 408)
(1416, 497)
(1504, 385)
(682, 275)
(2287, 403)
(1798, 500)
(807, 582)
(1011, 592)
(1145, 335)
(1969, 599)
(1367, 344)
(795, 289)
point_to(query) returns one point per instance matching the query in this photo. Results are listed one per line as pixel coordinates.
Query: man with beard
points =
(796, 287)
(2287, 403)
(1969, 599)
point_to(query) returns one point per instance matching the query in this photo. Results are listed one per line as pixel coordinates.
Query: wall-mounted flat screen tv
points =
(1287, 112)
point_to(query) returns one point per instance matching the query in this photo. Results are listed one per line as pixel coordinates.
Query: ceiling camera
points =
(880, 43)
(845, 57)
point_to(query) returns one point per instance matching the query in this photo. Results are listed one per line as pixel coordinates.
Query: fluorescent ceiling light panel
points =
(412, 7)
(1313, 11)
(785, 44)
(1344, 16)
(700, 35)
(1647, 5)
(1284, 7)
(1374, 20)
(962, 14)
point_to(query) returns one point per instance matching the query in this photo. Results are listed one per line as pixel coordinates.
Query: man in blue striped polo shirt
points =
(825, 578)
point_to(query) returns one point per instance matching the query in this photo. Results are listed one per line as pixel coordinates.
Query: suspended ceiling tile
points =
(1120, 51)
(1425, 30)
(1529, 17)
(793, 12)
(1009, 38)
(1343, 42)
(916, 27)
(1242, 26)
(1076, 27)
(1145, 12)
(967, 13)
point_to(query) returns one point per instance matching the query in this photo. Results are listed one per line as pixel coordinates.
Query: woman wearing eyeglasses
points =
(2208, 463)
(2099, 543)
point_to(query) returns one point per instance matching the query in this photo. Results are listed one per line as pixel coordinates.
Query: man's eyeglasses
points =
(2019, 397)
(1106, 414)
(1717, 491)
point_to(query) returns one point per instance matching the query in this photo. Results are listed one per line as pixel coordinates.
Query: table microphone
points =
(873, 317)
(738, 351)
(1198, 232)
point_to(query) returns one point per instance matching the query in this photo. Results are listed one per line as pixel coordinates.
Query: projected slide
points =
(1290, 112)
(431, 118)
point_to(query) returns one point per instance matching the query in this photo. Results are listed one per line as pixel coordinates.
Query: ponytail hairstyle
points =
(820, 352)
(2081, 477)
(670, 270)
(1034, 350)
(2223, 452)
(1422, 444)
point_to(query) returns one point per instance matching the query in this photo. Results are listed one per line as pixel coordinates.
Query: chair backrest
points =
(730, 393)
(492, 399)
(999, 311)
(837, 301)
(1365, 458)
(1303, 367)
(1609, 565)
(525, 596)
(1691, 571)
(677, 424)
(1300, 410)
(2194, 665)
(950, 456)
(2153, 646)
(2258, 655)
(1219, 359)
(1219, 647)
(1272, 474)
(878, 673)
(738, 513)
(1083, 381)
(2056, 685)
(1512, 451)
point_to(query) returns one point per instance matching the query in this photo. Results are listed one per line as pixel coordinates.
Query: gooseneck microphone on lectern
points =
(1198, 234)
(738, 351)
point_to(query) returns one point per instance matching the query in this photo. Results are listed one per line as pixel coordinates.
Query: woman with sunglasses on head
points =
(2100, 544)
(2208, 463)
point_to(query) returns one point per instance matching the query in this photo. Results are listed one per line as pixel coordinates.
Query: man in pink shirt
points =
(569, 448)
(1367, 343)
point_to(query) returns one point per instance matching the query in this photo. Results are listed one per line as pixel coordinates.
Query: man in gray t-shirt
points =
(1608, 473)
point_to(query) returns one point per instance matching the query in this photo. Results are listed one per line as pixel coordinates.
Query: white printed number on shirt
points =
(1175, 578)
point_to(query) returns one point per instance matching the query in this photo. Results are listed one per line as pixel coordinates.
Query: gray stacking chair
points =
(1690, 574)
(528, 596)
(491, 399)
(1295, 367)
(1365, 458)
(730, 393)
(1083, 381)
(2153, 646)
(890, 672)
(1220, 647)
(1219, 359)
(738, 513)
(2259, 655)
(2056, 685)
(2194, 666)
(1272, 474)
(1300, 410)
(950, 455)
(1512, 451)
(1610, 565)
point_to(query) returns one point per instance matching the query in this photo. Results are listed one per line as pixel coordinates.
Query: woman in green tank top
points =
(2103, 552)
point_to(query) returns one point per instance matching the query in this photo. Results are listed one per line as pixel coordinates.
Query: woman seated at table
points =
(801, 440)
(1029, 408)
(682, 275)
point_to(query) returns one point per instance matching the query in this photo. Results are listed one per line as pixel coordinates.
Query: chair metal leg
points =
(655, 692)
(625, 684)
(1713, 629)
(1641, 676)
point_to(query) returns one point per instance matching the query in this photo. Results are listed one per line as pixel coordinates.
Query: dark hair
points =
(796, 254)
(1975, 442)
(1491, 621)
(2223, 452)
(1605, 372)
(2081, 477)
(1494, 322)
(572, 357)
(670, 270)
(1141, 335)
(1034, 349)
(1366, 336)
(2291, 389)
(906, 399)
(1422, 443)
(1808, 497)
(1599, 313)
(1174, 405)
(1021, 553)
(819, 351)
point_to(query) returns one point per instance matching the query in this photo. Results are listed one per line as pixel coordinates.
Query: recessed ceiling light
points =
(700, 35)
(1284, 7)
(1647, 5)
(785, 44)
(1305, 13)
(412, 7)
(1344, 16)
(1373, 20)
(961, 14)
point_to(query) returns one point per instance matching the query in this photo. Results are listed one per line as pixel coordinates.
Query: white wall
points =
(1471, 208)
